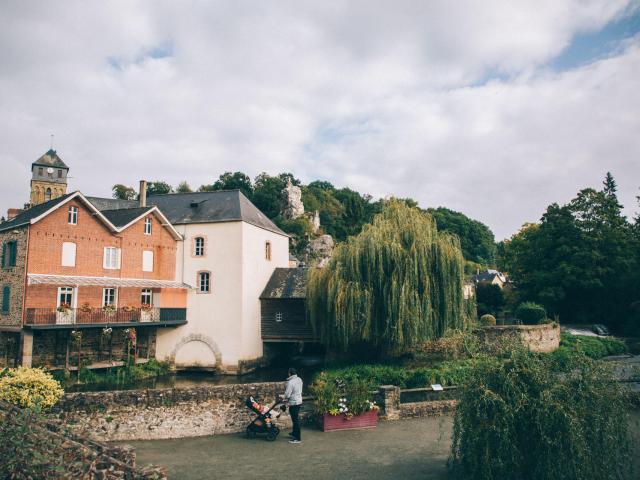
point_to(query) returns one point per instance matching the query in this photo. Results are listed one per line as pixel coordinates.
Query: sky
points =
(492, 108)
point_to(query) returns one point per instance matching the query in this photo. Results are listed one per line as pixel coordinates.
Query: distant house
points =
(490, 277)
(283, 309)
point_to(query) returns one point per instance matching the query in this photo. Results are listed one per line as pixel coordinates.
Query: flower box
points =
(331, 423)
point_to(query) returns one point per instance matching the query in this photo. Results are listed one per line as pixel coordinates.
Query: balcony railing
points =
(82, 316)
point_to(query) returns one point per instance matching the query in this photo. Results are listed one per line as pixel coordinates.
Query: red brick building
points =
(69, 267)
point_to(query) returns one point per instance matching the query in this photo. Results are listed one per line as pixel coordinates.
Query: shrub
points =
(488, 320)
(530, 313)
(520, 419)
(30, 387)
(336, 396)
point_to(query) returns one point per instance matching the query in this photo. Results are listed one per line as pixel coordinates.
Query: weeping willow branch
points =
(399, 282)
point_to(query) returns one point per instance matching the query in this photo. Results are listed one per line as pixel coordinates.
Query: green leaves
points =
(396, 284)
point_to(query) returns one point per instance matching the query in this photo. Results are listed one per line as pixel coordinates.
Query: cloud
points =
(452, 103)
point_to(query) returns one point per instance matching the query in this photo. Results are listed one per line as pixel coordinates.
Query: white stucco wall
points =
(227, 320)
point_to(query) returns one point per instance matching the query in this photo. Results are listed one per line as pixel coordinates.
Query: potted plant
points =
(128, 308)
(86, 308)
(64, 314)
(146, 312)
(344, 405)
(109, 309)
(64, 308)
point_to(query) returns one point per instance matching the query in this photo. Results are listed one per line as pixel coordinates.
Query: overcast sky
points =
(495, 109)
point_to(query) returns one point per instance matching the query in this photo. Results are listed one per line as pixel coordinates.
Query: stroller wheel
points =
(251, 433)
(272, 434)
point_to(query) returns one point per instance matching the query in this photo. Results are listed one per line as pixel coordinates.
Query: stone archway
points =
(196, 350)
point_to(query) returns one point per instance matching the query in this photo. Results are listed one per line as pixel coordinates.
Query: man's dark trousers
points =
(294, 410)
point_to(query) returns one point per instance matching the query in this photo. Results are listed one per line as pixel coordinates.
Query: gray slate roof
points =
(208, 207)
(286, 283)
(112, 203)
(25, 217)
(122, 217)
(51, 159)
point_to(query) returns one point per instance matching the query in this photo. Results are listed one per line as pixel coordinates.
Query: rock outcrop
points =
(320, 250)
(292, 206)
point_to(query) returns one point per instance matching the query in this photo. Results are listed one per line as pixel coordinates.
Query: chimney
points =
(13, 212)
(143, 193)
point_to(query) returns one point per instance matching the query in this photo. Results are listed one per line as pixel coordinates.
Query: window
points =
(47, 195)
(6, 298)
(267, 250)
(147, 226)
(40, 171)
(146, 296)
(59, 173)
(65, 296)
(204, 282)
(147, 260)
(278, 317)
(111, 258)
(199, 247)
(68, 254)
(109, 297)
(9, 254)
(73, 216)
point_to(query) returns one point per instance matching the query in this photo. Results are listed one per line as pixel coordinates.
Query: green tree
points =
(231, 181)
(183, 187)
(396, 284)
(123, 192)
(267, 194)
(490, 298)
(158, 188)
(477, 240)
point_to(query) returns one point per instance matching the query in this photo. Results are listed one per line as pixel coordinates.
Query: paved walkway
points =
(403, 449)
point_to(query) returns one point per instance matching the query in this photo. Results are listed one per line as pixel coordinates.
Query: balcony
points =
(49, 318)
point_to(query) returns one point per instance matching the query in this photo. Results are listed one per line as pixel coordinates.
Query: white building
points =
(228, 253)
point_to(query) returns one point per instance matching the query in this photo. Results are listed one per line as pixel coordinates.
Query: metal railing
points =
(87, 316)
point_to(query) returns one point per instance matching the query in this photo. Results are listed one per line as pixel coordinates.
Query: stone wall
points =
(538, 338)
(14, 276)
(9, 349)
(163, 413)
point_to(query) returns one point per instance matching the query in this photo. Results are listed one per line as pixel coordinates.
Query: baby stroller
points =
(265, 422)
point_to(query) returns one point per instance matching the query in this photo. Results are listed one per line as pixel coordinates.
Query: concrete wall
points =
(223, 326)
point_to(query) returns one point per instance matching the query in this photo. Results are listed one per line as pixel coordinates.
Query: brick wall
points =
(90, 237)
(14, 276)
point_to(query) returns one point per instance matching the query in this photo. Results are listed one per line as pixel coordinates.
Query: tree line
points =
(581, 261)
(343, 211)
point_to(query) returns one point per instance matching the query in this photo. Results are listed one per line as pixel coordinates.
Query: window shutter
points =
(4, 254)
(6, 296)
(105, 258)
(118, 257)
(13, 253)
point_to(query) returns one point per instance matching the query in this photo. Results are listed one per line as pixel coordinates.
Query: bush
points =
(488, 320)
(29, 388)
(530, 313)
(520, 419)
(337, 396)
(592, 347)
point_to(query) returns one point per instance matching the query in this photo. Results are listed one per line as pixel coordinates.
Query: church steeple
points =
(48, 178)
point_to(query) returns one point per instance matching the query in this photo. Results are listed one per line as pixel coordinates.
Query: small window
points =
(147, 226)
(111, 259)
(68, 254)
(65, 296)
(59, 173)
(147, 260)
(109, 297)
(47, 195)
(40, 171)
(267, 250)
(9, 254)
(146, 296)
(73, 215)
(204, 279)
(6, 298)
(199, 247)
(278, 317)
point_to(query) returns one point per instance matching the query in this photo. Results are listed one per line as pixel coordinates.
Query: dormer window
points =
(40, 171)
(59, 173)
(147, 226)
(73, 215)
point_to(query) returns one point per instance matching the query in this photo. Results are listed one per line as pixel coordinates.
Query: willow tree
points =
(398, 283)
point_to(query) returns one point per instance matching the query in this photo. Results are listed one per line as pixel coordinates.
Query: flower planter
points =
(331, 423)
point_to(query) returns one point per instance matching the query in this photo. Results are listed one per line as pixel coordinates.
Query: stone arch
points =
(199, 339)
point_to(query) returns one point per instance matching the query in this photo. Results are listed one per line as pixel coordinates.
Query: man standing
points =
(293, 398)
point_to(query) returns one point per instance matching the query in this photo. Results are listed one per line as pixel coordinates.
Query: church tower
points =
(48, 178)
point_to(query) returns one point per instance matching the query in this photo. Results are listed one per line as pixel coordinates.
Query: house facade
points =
(73, 277)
